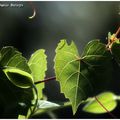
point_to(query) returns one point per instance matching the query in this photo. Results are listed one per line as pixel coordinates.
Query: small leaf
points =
(77, 75)
(46, 107)
(43, 104)
(107, 99)
(95, 53)
(19, 78)
(38, 66)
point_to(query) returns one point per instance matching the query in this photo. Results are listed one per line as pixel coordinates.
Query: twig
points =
(117, 32)
(45, 80)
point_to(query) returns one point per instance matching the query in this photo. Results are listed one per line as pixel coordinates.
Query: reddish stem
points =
(113, 116)
(117, 32)
(46, 80)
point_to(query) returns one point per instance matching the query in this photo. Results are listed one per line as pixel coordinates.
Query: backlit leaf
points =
(15, 67)
(77, 75)
(14, 78)
(38, 66)
(19, 78)
(10, 57)
(46, 104)
(21, 117)
(107, 99)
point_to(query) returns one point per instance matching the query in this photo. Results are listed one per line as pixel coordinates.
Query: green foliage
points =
(21, 117)
(38, 66)
(75, 73)
(14, 75)
(46, 107)
(81, 77)
(19, 78)
(107, 99)
(95, 54)
(46, 104)
(10, 57)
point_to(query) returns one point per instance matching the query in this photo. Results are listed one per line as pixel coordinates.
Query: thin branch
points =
(46, 80)
(117, 32)
(113, 116)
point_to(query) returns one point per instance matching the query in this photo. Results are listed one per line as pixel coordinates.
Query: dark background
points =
(79, 21)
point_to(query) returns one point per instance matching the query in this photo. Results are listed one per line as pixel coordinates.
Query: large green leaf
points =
(15, 67)
(10, 57)
(107, 99)
(17, 73)
(77, 75)
(38, 66)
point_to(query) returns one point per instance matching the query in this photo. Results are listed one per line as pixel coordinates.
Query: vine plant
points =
(82, 78)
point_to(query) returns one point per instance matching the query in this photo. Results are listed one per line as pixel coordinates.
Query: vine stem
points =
(46, 80)
(117, 32)
(112, 115)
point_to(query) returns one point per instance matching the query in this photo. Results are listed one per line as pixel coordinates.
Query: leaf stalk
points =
(45, 80)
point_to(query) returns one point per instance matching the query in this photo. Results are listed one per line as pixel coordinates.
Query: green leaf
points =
(38, 66)
(10, 57)
(19, 78)
(16, 67)
(77, 75)
(95, 53)
(115, 49)
(46, 107)
(43, 104)
(21, 117)
(107, 99)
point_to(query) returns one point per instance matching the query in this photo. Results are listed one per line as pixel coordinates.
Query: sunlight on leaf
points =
(21, 117)
(46, 104)
(38, 66)
(77, 74)
(10, 57)
(19, 78)
(107, 99)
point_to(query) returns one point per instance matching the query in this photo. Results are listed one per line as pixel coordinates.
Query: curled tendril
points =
(34, 11)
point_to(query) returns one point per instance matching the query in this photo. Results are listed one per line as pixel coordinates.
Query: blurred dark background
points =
(79, 21)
